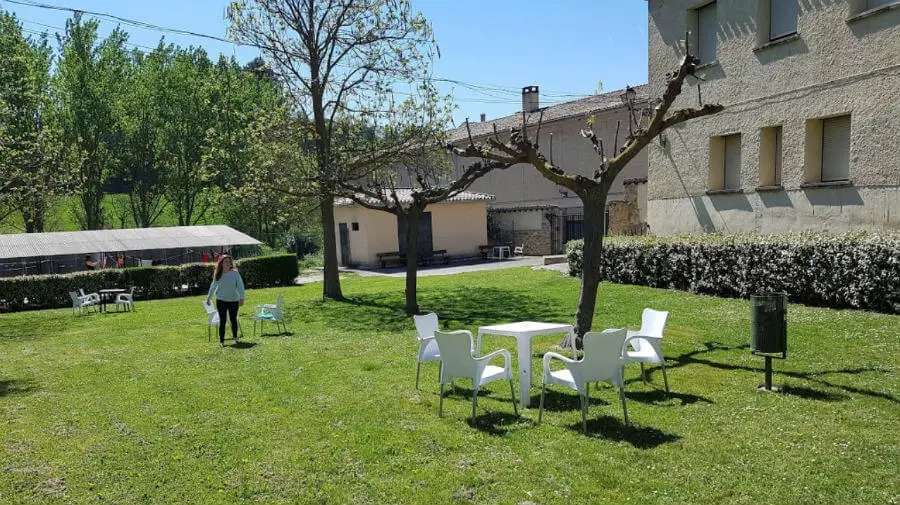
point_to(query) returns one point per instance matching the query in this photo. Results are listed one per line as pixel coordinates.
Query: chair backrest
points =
(211, 312)
(426, 325)
(279, 301)
(602, 354)
(519, 249)
(653, 322)
(456, 353)
(74, 297)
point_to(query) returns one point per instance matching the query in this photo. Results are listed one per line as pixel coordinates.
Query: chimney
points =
(483, 117)
(530, 101)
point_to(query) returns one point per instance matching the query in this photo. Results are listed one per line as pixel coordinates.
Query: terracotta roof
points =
(405, 196)
(576, 108)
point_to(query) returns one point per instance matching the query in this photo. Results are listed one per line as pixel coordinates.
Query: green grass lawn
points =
(140, 408)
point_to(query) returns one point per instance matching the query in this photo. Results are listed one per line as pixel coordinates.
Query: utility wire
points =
(491, 90)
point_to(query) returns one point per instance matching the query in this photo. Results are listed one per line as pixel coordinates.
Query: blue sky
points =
(566, 47)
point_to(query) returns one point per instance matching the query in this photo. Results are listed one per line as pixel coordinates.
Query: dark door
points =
(345, 244)
(426, 245)
(574, 227)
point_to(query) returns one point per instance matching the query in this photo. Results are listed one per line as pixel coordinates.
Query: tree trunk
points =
(594, 217)
(413, 218)
(331, 287)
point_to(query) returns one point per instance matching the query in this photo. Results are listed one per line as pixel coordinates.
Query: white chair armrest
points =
(484, 360)
(552, 355)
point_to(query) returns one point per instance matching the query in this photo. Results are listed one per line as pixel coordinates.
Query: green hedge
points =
(52, 291)
(858, 270)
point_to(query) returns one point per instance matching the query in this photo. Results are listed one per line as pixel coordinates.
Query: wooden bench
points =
(439, 254)
(385, 257)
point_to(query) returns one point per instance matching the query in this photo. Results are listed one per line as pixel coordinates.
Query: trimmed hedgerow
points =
(51, 291)
(859, 270)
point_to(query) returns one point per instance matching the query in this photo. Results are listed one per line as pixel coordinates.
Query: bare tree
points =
(340, 59)
(593, 190)
(429, 168)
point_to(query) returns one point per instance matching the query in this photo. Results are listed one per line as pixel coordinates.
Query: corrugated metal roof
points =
(405, 196)
(582, 107)
(64, 243)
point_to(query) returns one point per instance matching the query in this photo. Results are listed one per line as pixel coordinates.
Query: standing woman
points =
(228, 287)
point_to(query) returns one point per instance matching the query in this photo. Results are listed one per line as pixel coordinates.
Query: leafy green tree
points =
(187, 115)
(88, 85)
(143, 131)
(340, 61)
(29, 143)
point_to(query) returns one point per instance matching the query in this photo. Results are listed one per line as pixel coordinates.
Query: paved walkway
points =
(536, 262)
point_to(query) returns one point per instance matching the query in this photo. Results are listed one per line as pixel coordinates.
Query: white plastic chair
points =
(269, 312)
(213, 316)
(602, 361)
(126, 300)
(459, 362)
(428, 349)
(646, 343)
(519, 250)
(80, 303)
(93, 297)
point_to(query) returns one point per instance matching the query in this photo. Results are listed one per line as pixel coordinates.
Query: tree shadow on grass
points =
(457, 308)
(611, 428)
(813, 394)
(661, 399)
(693, 358)
(15, 387)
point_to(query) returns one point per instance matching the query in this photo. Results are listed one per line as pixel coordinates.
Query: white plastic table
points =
(499, 249)
(523, 332)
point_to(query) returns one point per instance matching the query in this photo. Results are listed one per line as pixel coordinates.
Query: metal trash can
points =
(768, 329)
(768, 324)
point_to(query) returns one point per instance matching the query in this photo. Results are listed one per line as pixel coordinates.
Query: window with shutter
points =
(732, 166)
(836, 149)
(777, 156)
(706, 33)
(783, 18)
(770, 156)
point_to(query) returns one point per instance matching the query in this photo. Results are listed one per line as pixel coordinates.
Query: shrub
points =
(51, 291)
(859, 270)
(268, 271)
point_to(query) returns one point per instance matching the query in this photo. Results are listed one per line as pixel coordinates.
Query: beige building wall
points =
(522, 185)
(457, 227)
(839, 63)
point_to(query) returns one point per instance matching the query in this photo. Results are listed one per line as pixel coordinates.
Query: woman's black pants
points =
(231, 309)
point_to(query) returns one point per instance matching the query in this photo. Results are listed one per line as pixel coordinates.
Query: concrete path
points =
(536, 262)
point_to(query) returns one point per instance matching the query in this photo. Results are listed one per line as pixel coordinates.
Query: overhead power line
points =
(495, 93)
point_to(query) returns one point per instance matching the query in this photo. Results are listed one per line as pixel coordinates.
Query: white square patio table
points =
(523, 332)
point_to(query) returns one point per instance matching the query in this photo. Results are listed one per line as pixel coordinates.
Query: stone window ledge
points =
(773, 187)
(873, 12)
(826, 184)
(782, 40)
(724, 191)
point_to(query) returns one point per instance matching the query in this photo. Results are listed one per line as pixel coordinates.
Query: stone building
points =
(531, 210)
(810, 137)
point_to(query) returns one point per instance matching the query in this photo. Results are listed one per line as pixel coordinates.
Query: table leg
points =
(524, 350)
